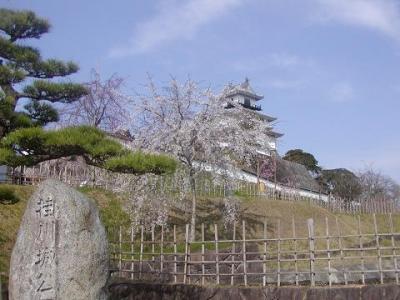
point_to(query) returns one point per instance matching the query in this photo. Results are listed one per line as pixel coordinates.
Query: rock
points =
(61, 250)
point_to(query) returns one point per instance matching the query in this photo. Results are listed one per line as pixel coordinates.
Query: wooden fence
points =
(303, 258)
(91, 176)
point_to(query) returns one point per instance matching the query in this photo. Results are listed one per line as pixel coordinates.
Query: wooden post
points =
(1, 291)
(396, 269)
(244, 252)
(120, 252)
(132, 254)
(361, 251)
(203, 271)
(295, 251)
(310, 226)
(233, 253)
(265, 255)
(216, 253)
(341, 251)
(378, 248)
(189, 265)
(141, 252)
(162, 250)
(328, 248)
(279, 252)
(185, 266)
(175, 256)
(152, 248)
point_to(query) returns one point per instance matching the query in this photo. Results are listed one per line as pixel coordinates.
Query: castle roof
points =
(275, 134)
(244, 89)
(266, 117)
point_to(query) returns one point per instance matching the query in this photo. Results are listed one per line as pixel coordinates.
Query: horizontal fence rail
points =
(169, 254)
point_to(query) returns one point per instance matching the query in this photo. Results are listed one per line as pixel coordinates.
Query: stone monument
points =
(61, 250)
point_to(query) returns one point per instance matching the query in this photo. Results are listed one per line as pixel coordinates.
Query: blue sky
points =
(329, 69)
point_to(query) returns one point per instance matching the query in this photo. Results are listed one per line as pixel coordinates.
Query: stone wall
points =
(133, 290)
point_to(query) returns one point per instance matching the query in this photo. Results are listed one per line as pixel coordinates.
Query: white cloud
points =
(175, 20)
(341, 92)
(285, 84)
(280, 60)
(379, 15)
(285, 60)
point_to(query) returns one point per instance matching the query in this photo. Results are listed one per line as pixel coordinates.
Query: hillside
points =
(210, 210)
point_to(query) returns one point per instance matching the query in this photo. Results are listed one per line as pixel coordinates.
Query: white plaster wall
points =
(240, 99)
(241, 175)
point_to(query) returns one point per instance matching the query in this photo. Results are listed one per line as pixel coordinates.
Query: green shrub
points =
(7, 195)
(114, 216)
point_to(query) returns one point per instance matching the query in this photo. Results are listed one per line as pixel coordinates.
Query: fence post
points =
(279, 252)
(203, 271)
(1, 291)
(141, 252)
(216, 253)
(120, 251)
(162, 250)
(244, 253)
(175, 257)
(310, 226)
(360, 238)
(233, 253)
(186, 254)
(328, 248)
(295, 250)
(265, 254)
(152, 247)
(393, 248)
(378, 248)
(132, 254)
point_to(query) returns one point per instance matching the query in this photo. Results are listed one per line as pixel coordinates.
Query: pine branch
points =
(35, 145)
(10, 76)
(22, 56)
(41, 113)
(51, 68)
(54, 92)
(28, 59)
(22, 24)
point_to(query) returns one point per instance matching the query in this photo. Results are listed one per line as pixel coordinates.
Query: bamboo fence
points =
(168, 255)
(96, 177)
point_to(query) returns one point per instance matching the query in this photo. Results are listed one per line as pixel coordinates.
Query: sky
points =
(329, 69)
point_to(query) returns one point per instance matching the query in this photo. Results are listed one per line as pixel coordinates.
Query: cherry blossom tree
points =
(198, 129)
(105, 106)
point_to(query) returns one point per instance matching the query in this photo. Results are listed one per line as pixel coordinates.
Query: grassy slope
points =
(254, 211)
(10, 217)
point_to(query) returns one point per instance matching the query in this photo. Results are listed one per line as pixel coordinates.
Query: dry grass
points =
(254, 210)
(10, 218)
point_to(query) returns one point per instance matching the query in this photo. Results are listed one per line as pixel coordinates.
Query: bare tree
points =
(197, 128)
(377, 186)
(105, 106)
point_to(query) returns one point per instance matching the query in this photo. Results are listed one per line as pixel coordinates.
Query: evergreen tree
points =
(340, 182)
(19, 64)
(304, 158)
(24, 74)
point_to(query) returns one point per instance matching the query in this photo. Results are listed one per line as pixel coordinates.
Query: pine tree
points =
(24, 74)
(19, 64)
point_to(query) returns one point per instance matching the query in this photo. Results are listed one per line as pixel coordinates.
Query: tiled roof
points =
(244, 89)
(296, 174)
